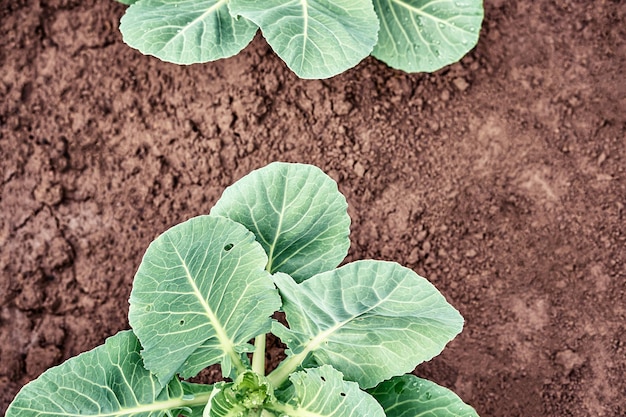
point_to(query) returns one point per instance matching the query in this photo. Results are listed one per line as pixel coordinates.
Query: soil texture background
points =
(501, 179)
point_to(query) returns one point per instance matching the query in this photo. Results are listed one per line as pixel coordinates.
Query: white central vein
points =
(305, 29)
(281, 216)
(211, 10)
(225, 342)
(171, 404)
(421, 12)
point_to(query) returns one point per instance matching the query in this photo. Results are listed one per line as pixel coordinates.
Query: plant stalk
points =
(258, 357)
(279, 375)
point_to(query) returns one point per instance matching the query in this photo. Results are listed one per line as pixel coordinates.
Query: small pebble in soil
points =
(359, 169)
(413, 256)
(460, 84)
(569, 360)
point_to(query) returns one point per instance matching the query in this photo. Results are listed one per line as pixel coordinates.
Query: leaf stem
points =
(279, 375)
(161, 406)
(267, 413)
(284, 408)
(258, 357)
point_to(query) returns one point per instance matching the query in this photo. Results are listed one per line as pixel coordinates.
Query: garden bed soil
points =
(502, 179)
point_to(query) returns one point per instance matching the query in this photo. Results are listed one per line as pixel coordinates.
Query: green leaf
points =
(297, 214)
(200, 294)
(224, 404)
(191, 390)
(410, 396)
(185, 31)
(315, 38)
(321, 392)
(371, 320)
(127, 2)
(110, 381)
(426, 35)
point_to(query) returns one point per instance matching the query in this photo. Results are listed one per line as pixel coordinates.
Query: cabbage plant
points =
(206, 293)
(315, 38)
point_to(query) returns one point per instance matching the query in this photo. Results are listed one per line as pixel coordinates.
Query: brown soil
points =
(501, 178)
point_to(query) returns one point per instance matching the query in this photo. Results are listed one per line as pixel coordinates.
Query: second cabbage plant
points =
(315, 38)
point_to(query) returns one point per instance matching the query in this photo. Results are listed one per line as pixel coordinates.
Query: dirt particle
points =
(48, 193)
(568, 360)
(39, 359)
(31, 296)
(342, 107)
(59, 253)
(421, 236)
(50, 331)
(413, 256)
(359, 169)
(460, 83)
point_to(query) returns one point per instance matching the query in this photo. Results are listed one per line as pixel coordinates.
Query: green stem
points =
(258, 357)
(200, 399)
(279, 408)
(162, 406)
(279, 375)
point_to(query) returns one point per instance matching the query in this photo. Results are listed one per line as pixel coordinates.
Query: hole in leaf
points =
(323, 379)
(228, 247)
(343, 394)
(182, 322)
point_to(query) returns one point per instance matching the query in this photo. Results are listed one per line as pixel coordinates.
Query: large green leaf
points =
(185, 31)
(371, 320)
(321, 392)
(426, 35)
(108, 381)
(315, 38)
(297, 214)
(410, 396)
(200, 294)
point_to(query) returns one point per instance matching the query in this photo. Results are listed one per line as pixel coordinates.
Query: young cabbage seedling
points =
(209, 286)
(315, 38)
